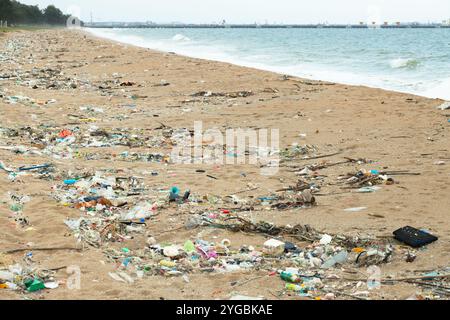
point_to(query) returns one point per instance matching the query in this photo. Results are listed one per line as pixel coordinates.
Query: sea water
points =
(407, 60)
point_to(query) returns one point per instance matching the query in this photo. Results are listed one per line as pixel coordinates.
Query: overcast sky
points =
(250, 11)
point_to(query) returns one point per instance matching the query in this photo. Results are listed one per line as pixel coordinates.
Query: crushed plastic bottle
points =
(339, 258)
(143, 210)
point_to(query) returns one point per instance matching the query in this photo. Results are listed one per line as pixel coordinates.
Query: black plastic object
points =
(290, 247)
(414, 237)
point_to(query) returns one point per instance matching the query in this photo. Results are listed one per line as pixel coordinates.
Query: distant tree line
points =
(17, 13)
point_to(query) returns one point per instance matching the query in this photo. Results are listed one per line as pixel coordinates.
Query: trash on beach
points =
(368, 189)
(121, 277)
(364, 178)
(375, 256)
(238, 94)
(26, 278)
(338, 258)
(326, 239)
(303, 199)
(162, 83)
(120, 194)
(414, 237)
(34, 285)
(274, 247)
(356, 209)
(444, 106)
(5, 168)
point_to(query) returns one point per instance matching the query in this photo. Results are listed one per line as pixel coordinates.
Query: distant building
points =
(374, 25)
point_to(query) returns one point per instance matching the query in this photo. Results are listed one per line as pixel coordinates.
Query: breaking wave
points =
(404, 63)
(180, 37)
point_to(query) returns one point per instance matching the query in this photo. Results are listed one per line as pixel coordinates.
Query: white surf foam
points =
(402, 63)
(180, 37)
(183, 45)
(441, 90)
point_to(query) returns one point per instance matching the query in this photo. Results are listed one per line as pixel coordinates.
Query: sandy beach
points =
(55, 80)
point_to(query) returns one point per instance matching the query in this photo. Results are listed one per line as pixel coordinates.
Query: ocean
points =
(414, 61)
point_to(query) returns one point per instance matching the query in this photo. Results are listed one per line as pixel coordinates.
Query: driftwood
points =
(322, 156)
(406, 279)
(314, 158)
(300, 186)
(243, 191)
(41, 249)
(315, 167)
(329, 194)
(57, 268)
(299, 232)
(400, 173)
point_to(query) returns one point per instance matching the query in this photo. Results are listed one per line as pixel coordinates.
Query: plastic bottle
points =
(339, 258)
(174, 194)
(290, 277)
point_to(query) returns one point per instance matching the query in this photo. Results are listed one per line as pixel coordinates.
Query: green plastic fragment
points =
(34, 285)
(189, 246)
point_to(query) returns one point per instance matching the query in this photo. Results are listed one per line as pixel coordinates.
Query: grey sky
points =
(249, 11)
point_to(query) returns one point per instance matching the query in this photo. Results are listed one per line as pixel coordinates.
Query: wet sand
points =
(396, 131)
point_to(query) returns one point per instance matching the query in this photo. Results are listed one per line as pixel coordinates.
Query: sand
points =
(397, 131)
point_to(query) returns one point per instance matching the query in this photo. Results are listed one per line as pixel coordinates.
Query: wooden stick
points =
(329, 194)
(350, 295)
(393, 173)
(276, 296)
(40, 249)
(238, 284)
(430, 285)
(322, 156)
(419, 278)
(403, 279)
(242, 191)
(58, 268)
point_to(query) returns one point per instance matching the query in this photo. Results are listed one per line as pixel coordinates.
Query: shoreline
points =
(261, 67)
(121, 102)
